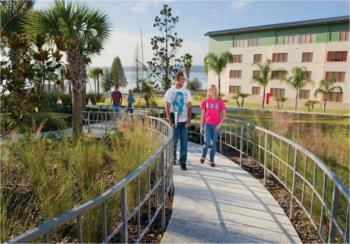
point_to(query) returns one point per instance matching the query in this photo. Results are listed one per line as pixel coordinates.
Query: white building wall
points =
(318, 67)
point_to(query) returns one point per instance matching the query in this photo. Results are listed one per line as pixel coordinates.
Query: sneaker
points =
(202, 160)
(183, 167)
(212, 164)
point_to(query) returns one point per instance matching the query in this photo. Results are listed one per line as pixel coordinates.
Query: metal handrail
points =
(165, 182)
(253, 142)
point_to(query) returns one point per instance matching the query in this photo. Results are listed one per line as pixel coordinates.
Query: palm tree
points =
(187, 62)
(99, 73)
(326, 89)
(92, 75)
(264, 77)
(217, 63)
(298, 80)
(83, 31)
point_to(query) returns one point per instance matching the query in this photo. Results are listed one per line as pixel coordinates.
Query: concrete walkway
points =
(224, 204)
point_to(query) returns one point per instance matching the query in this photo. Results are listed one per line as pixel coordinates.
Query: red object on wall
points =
(268, 95)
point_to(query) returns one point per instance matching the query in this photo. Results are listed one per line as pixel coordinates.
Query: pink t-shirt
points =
(212, 108)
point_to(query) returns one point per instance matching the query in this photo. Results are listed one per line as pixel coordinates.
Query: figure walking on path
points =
(131, 101)
(178, 110)
(116, 98)
(213, 112)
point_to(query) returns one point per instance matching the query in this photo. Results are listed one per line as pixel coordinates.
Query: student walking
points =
(213, 112)
(116, 99)
(131, 101)
(178, 112)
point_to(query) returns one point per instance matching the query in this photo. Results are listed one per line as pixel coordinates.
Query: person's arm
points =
(202, 121)
(189, 110)
(222, 116)
(167, 113)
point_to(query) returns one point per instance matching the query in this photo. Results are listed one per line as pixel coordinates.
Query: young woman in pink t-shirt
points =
(213, 112)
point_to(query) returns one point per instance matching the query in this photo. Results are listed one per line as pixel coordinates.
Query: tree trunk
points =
(69, 88)
(263, 101)
(242, 102)
(76, 112)
(296, 101)
(95, 88)
(324, 105)
(219, 85)
(49, 86)
(83, 99)
(98, 84)
(62, 86)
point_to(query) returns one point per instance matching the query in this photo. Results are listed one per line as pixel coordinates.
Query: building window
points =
(304, 94)
(237, 58)
(255, 90)
(338, 76)
(257, 58)
(256, 73)
(235, 73)
(336, 97)
(253, 42)
(234, 89)
(277, 92)
(307, 38)
(344, 36)
(339, 56)
(288, 39)
(239, 43)
(278, 75)
(280, 57)
(306, 57)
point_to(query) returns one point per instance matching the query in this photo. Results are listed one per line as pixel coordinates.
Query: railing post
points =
(241, 147)
(123, 217)
(220, 145)
(293, 183)
(104, 221)
(335, 201)
(347, 226)
(265, 158)
(139, 207)
(162, 165)
(80, 230)
(89, 123)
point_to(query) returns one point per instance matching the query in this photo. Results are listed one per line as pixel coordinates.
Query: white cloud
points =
(238, 5)
(123, 44)
(143, 6)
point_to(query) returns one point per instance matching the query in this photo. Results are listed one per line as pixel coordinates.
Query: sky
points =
(195, 19)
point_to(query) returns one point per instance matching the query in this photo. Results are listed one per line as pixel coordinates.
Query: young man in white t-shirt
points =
(178, 110)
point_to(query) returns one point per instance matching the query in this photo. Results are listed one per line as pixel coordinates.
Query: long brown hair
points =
(212, 87)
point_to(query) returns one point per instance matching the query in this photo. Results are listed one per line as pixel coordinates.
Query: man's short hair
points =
(179, 75)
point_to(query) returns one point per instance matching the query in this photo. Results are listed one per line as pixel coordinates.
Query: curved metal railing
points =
(312, 185)
(157, 173)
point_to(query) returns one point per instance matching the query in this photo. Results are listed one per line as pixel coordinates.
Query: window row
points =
(334, 56)
(306, 38)
(280, 92)
(282, 75)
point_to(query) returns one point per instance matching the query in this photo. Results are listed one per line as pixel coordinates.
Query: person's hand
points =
(172, 125)
(217, 128)
(202, 131)
(188, 123)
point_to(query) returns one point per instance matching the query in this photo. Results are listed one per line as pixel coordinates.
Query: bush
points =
(95, 98)
(66, 102)
(194, 85)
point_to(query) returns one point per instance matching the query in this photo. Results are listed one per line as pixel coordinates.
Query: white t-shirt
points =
(178, 99)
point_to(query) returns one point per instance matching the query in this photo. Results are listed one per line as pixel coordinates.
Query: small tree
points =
(117, 74)
(264, 77)
(194, 85)
(95, 75)
(280, 101)
(107, 82)
(310, 105)
(326, 89)
(217, 63)
(241, 96)
(149, 88)
(187, 63)
(298, 80)
(164, 65)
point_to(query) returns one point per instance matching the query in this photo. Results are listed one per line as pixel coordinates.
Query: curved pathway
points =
(224, 204)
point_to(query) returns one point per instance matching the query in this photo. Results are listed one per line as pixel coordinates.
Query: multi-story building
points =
(320, 45)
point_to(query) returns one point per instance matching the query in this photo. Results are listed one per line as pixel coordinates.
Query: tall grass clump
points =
(43, 178)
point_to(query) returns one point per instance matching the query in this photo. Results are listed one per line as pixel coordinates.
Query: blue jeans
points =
(210, 138)
(116, 111)
(181, 132)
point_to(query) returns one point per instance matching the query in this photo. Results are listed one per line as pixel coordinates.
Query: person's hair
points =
(131, 93)
(216, 91)
(179, 75)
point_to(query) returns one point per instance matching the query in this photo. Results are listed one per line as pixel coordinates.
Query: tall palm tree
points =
(187, 62)
(83, 31)
(99, 73)
(326, 89)
(298, 80)
(92, 75)
(264, 77)
(217, 63)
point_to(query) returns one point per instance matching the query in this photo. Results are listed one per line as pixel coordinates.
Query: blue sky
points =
(196, 18)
